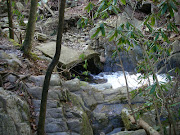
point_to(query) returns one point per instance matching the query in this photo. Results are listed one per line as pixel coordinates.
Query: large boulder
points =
(69, 57)
(90, 96)
(14, 114)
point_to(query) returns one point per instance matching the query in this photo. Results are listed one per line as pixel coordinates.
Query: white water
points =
(116, 79)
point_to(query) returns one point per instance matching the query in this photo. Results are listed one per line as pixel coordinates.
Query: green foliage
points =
(14, 43)
(82, 56)
(127, 36)
(20, 16)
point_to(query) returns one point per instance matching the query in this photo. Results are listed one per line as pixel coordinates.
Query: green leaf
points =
(82, 56)
(171, 12)
(85, 73)
(96, 33)
(173, 6)
(168, 77)
(129, 48)
(127, 25)
(149, 27)
(157, 36)
(164, 36)
(79, 22)
(101, 6)
(123, 2)
(112, 37)
(86, 21)
(110, 8)
(114, 2)
(153, 89)
(164, 9)
(114, 9)
(102, 29)
(175, 104)
(147, 19)
(152, 20)
(114, 54)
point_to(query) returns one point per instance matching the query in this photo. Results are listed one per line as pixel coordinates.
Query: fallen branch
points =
(141, 123)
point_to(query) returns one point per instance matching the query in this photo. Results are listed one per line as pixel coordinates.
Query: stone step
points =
(53, 94)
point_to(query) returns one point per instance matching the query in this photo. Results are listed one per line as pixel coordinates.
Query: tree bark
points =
(1, 82)
(27, 45)
(50, 69)
(11, 32)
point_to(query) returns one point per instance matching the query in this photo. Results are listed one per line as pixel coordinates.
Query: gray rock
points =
(41, 36)
(102, 86)
(74, 125)
(7, 125)
(36, 92)
(17, 111)
(3, 55)
(137, 132)
(11, 78)
(59, 133)
(54, 112)
(55, 126)
(39, 80)
(177, 17)
(69, 57)
(89, 99)
(72, 85)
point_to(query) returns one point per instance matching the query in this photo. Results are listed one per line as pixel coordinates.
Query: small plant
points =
(20, 16)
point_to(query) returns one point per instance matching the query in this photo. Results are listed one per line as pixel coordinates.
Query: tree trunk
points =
(54, 62)
(1, 82)
(11, 32)
(27, 45)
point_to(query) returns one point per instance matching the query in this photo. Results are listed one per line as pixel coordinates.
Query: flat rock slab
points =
(68, 56)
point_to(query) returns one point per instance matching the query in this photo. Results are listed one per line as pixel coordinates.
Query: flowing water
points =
(116, 79)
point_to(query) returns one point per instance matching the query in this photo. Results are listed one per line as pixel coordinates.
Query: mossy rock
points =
(127, 123)
(86, 128)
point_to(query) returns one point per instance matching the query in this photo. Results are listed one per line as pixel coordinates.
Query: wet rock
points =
(106, 117)
(116, 95)
(102, 86)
